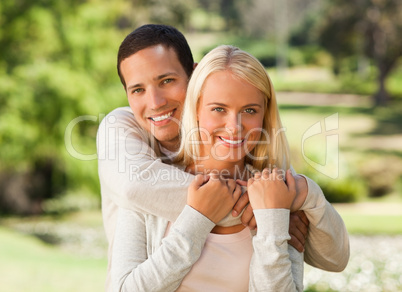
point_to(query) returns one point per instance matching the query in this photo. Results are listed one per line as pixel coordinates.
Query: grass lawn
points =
(28, 264)
(373, 224)
(372, 218)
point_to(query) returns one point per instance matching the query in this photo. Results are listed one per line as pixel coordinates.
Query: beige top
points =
(223, 265)
(143, 259)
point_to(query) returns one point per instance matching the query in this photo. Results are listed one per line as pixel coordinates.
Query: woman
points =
(231, 128)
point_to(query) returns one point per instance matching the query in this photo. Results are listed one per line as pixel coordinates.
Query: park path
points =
(323, 99)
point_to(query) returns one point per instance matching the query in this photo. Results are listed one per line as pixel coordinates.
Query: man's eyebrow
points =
(159, 77)
(134, 86)
(165, 75)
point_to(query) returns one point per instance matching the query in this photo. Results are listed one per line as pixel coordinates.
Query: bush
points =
(381, 175)
(341, 190)
(345, 189)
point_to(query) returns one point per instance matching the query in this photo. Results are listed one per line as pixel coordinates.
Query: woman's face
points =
(230, 117)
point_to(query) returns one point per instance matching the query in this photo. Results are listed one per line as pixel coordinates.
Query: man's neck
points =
(172, 145)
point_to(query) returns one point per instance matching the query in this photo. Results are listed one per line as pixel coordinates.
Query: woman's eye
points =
(250, 111)
(218, 109)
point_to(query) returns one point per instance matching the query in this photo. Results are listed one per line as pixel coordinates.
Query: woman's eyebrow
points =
(225, 105)
(217, 103)
(252, 104)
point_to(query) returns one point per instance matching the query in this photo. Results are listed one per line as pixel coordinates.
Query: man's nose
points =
(156, 98)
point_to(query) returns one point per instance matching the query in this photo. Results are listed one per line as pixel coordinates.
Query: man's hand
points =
(247, 218)
(298, 230)
(301, 193)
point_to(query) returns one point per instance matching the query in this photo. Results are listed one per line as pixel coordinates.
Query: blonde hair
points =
(274, 149)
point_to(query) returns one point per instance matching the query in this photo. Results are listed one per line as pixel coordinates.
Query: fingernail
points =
(234, 213)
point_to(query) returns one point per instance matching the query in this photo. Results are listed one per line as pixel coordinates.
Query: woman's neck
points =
(234, 170)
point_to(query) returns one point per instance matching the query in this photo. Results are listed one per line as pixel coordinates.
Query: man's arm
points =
(327, 244)
(131, 173)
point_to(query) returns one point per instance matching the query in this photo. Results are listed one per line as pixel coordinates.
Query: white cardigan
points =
(133, 176)
(142, 260)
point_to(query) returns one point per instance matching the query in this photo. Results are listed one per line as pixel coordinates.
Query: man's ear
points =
(195, 65)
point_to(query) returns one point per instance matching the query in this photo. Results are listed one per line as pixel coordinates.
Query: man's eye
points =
(137, 90)
(169, 80)
(218, 109)
(250, 110)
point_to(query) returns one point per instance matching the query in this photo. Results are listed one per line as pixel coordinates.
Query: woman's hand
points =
(213, 196)
(268, 190)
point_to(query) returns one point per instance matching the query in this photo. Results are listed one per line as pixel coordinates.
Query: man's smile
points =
(162, 117)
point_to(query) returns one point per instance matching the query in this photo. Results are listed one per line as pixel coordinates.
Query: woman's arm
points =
(275, 265)
(135, 267)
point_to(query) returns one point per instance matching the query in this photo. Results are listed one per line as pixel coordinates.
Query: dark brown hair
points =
(150, 35)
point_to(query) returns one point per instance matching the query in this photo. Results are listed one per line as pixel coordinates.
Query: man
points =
(154, 65)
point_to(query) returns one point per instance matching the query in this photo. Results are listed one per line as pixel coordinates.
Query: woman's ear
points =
(194, 65)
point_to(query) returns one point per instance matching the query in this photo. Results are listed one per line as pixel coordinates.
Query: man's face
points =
(156, 86)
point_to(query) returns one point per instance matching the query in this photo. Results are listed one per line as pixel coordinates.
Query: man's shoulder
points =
(120, 115)
(122, 118)
(121, 121)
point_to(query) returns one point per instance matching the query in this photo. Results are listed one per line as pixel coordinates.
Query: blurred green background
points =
(58, 80)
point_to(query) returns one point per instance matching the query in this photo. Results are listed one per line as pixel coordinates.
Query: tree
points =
(59, 64)
(372, 28)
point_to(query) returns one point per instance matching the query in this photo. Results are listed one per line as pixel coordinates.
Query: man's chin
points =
(167, 139)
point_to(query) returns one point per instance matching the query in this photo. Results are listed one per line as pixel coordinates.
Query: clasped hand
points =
(214, 197)
(268, 190)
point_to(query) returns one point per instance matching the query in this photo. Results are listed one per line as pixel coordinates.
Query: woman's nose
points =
(233, 124)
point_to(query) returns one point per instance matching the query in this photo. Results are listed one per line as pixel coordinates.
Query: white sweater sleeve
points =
(275, 265)
(130, 172)
(133, 270)
(132, 175)
(327, 245)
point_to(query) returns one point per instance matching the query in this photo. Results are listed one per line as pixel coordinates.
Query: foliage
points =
(380, 175)
(58, 65)
(345, 189)
(364, 28)
(58, 79)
